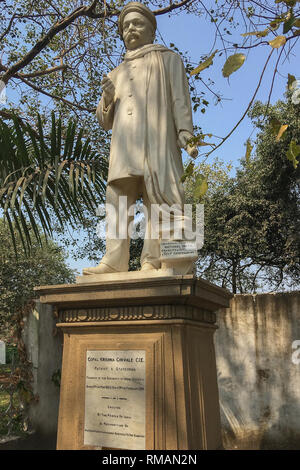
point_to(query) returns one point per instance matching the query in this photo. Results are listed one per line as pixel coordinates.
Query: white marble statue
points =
(146, 103)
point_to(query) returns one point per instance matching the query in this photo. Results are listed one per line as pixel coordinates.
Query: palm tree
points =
(42, 176)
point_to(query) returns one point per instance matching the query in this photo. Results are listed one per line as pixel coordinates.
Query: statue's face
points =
(137, 30)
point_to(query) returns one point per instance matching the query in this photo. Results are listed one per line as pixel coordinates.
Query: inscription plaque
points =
(115, 399)
(178, 249)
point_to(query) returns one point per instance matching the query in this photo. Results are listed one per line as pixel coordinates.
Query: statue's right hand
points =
(108, 90)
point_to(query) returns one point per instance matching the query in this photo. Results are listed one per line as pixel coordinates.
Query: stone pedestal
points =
(139, 369)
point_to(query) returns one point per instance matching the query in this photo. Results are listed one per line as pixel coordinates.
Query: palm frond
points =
(42, 174)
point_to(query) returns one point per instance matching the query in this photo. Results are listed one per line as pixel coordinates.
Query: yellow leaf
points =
(249, 148)
(282, 129)
(278, 42)
(233, 63)
(297, 23)
(253, 33)
(204, 64)
(258, 34)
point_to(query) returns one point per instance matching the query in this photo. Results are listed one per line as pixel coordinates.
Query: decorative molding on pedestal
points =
(142, 312)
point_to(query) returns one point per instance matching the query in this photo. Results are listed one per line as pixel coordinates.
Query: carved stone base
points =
(139, 367)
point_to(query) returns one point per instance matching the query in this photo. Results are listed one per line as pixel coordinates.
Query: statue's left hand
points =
(183, 138)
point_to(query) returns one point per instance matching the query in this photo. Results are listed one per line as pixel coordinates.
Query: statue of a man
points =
(146, 103)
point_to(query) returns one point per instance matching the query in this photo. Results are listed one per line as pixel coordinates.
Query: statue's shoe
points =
(147, 267)
(102, 268)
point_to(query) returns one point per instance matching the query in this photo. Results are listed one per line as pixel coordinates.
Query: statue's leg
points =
(151, 249)
(116, 257)
(150, 258)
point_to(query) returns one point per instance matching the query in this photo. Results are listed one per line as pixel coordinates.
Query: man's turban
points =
(140, 8)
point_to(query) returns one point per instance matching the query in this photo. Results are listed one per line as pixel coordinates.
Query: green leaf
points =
(53, 135)
(249, 148)
(290, 3)
(276, 22)
(20, 143)
(201, 187)
(232, 64)
(291, 80)
(188, 171)
(275, 126)
(44, 153)
(45, 181)
(69, 142)
(293, 152)
(204, 65)
(288, 24)
(58, 141)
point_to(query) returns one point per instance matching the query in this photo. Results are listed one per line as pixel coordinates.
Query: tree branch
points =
(248, 107)
(65, 22)
(8, 27)
(171, 7)
(40, 45)
(40, 73)
(55, 97)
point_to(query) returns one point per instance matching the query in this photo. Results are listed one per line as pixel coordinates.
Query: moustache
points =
(132, 34)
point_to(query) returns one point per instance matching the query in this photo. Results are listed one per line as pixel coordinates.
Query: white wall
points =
(259, 379)
(259, 385)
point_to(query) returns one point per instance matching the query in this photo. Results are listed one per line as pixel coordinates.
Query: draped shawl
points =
(162, 173)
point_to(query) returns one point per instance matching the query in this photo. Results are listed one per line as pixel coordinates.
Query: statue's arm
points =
(105, 114)
(105, 108)
(182, 110)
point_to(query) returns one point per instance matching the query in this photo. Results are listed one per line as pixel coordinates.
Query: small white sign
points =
(2, 352)
(178, 249)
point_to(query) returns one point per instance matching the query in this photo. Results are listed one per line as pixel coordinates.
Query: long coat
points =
(150, 107)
